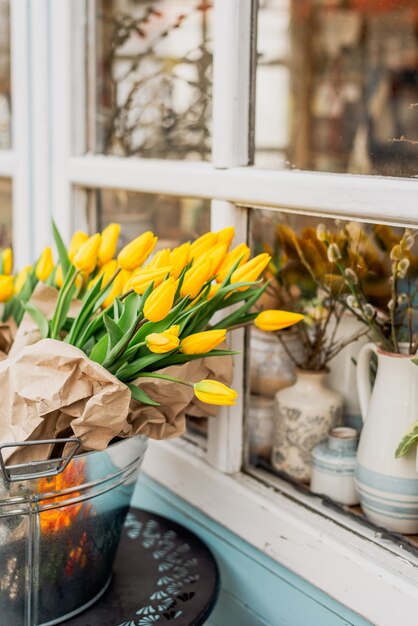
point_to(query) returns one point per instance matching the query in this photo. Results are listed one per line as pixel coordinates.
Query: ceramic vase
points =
(342, 375)
(387, 486)
(271, 368)
(333, 463)
(304, 415)
(260, 426)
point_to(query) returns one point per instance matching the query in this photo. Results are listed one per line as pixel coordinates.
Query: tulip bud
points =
(160, 259)
(217, 256)
(160, 301)
(107, 271)
(45, 265)
(214, 392)
(7, 258)
(77, 241)
(118, 287)
(59, 277)
(200, 343)
(160, 343)
(144, 277)
(21, 278)
(85, 260)
(271, 321)
(202, 245)
(137, 251)
(241, 252)
(6, 287)
(179, 258)
(108, 243)
(251, 270)
(195, 278)
(226, 235)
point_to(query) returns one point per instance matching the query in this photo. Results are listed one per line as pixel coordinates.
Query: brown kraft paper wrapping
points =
(176, 401)
(51, 389)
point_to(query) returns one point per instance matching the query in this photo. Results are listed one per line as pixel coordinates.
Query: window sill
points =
(342, 561)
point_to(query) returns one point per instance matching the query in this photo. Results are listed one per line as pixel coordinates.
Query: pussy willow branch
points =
(346, 342)
(392, 311)
(288, 352)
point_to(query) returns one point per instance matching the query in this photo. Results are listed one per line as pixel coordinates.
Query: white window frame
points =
(48, 174)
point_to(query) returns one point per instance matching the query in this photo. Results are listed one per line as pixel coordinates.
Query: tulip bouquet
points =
(143, 319)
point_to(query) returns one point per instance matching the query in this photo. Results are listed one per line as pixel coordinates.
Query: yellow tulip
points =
(137, 251)
(160, 343)
(202, 245)
(226, 235)
(7, 258)
(76, 242)
(272, 320)
(160, 259)
(174, 330)
(108, 243)
(160, 301)
(217, 256)
(240, 252)
(118, 287)
(107, 271)
(213, 290)
(21, 278)
(200, 343)
(214, 392)
(251, 270)
(6, 287)
(85, 260)
(179, 258)
(45, 265)
(195, 278)
(59, 277)
(144, 277)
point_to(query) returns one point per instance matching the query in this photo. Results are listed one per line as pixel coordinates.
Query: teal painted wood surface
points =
(256, 591)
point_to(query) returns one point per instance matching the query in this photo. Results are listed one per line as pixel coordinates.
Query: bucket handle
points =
(62, 462)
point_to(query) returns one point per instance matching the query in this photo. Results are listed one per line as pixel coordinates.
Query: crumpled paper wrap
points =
(52, 390)
(7, 333)
(176, 401)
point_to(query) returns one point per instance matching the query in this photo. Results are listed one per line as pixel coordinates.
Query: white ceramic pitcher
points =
(387, 486)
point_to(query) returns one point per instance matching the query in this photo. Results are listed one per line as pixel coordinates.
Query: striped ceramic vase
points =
(387, 487)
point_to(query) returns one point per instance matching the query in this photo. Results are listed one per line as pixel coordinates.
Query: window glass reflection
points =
(337, 86)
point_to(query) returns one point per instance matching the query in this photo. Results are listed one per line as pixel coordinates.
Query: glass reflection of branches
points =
(154, 84)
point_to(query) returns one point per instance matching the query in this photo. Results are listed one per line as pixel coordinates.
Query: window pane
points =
(337, 86)
(317, 266)
(173, 219)
(5, 97)
(153, 65)
(5, 212)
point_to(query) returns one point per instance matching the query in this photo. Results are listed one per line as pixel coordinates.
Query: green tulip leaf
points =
(140, 396)
(117, 309)
(130, 312)
(115, 333)
(62, 250)
(98, 353)
(39, 318)
(410, 439)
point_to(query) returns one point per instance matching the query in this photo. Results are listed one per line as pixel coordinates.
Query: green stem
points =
(61, 299)
(164, 377)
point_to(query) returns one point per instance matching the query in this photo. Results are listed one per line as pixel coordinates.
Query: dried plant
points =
(138, 108)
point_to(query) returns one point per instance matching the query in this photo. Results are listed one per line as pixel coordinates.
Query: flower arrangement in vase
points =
(387, 483)
(307, 411)
(93, 346)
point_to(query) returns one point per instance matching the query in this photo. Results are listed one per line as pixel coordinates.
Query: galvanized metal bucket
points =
(60, 525)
